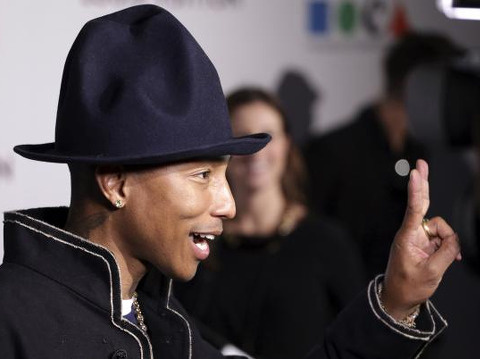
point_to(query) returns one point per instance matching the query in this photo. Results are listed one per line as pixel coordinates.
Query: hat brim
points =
(244, 145)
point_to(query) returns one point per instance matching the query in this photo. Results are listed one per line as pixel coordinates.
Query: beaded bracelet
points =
(409, 320)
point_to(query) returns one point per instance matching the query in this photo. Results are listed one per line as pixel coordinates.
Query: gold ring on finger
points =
(426, 229)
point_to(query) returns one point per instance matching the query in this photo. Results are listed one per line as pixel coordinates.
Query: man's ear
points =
(111, 182)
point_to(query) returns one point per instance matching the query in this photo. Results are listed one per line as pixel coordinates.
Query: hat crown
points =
(136, 82)
(138, 89)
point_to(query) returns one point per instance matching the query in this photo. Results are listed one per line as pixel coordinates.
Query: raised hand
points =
(419, 256)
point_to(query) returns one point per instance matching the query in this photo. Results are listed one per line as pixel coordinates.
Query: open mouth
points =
(201, 240)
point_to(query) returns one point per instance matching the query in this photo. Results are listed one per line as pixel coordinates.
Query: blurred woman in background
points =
(279, 275)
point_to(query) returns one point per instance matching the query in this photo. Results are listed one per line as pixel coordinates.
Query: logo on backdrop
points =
(6, 168)
(209, 4)
(349, 21)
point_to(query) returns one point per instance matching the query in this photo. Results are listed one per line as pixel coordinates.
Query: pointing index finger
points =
(422, 167)
(418, 197)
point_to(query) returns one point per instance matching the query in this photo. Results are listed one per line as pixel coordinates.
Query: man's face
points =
(172, 213)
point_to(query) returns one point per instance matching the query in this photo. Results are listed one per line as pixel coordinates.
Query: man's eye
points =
(204, 174)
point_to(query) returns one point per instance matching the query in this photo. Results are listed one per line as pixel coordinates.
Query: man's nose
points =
(225, 204)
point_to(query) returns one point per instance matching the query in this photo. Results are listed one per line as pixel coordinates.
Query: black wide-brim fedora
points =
(138, 89)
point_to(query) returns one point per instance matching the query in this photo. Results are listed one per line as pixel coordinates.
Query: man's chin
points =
(184, 276)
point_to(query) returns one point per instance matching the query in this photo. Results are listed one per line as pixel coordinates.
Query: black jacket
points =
(60, 298)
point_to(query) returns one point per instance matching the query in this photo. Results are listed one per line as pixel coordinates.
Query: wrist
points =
(405, 315)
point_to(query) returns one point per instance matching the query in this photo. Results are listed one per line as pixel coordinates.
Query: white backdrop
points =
(249, 41)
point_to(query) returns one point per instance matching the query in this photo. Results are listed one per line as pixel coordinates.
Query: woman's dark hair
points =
(294, 179)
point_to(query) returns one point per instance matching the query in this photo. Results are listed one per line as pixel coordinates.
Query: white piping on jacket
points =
(182, 317)
(429, 335)
(90, 252)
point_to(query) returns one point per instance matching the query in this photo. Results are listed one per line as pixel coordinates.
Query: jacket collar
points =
(34, 238)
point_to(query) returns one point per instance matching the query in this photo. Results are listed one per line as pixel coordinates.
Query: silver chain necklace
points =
(138, 313)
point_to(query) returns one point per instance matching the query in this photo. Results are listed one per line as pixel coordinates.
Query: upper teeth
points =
(210, 237)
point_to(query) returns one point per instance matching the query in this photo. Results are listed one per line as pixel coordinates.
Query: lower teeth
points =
(202, 245)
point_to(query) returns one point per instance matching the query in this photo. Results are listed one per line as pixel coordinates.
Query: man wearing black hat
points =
(143, 125)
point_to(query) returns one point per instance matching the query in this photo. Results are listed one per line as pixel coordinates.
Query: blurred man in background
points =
(359, 173)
